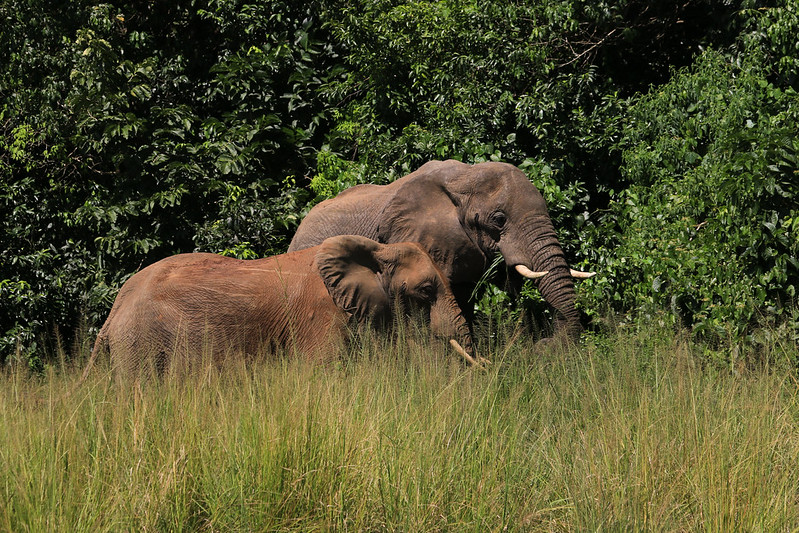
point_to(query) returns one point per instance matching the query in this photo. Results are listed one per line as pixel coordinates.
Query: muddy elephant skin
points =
(190, 306)
(462, 215)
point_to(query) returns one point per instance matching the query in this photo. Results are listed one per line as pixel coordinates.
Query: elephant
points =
(189, 306)
(462, 215)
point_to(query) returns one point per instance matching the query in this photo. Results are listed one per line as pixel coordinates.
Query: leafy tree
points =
(707, 226)
(134, 131)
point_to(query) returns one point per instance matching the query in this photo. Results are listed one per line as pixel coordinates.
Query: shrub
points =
(707, 226)
(129, 132)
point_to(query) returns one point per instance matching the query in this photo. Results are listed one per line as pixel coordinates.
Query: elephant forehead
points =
(491, 173)
(410, 250)
(505, 170)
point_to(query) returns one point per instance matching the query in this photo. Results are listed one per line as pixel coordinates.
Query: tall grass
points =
(625, 432)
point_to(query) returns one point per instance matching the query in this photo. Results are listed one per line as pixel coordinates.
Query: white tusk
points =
(527, 273)
(581, 275)
(463, 353)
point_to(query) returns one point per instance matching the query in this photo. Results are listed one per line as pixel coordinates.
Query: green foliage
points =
(487, 80)
(437, 80)
(334, 174)
(707, 227)
(770, 34)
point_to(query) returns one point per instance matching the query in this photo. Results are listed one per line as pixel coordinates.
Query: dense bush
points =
(514, 81)
(659, 133)
(707, 226)
(132, 131)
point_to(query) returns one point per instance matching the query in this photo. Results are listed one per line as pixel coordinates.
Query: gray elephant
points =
(462, 215)
(193, 305)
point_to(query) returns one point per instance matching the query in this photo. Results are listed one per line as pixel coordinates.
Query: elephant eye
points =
(426, 291)
(499, 218)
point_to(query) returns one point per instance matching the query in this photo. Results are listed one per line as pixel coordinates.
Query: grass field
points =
(627, 431)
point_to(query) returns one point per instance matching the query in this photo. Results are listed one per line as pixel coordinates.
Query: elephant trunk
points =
(545, 254)
(557, 288)
(447, 321)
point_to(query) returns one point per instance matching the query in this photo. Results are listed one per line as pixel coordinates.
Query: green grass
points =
(625, 432)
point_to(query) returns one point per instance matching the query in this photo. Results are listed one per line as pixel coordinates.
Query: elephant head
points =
(464, 214)
(373, 281)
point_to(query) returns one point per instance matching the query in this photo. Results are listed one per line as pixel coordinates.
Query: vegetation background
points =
(661, 133)
(625, 432)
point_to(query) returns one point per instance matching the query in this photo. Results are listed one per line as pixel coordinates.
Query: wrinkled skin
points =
(462, 215)
(189, 306)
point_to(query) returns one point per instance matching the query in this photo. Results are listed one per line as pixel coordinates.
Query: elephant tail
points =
(100, 347)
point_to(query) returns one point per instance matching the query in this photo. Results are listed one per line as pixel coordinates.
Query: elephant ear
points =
(428, 208)
(354, 276)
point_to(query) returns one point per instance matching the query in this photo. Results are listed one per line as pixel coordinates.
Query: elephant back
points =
(355, 211)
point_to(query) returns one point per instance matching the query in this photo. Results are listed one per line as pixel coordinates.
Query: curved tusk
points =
(578, 274)
(529, 274)
(463, 353)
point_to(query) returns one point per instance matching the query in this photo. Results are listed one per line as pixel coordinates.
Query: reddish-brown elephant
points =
(462, 215)
(190, 306)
